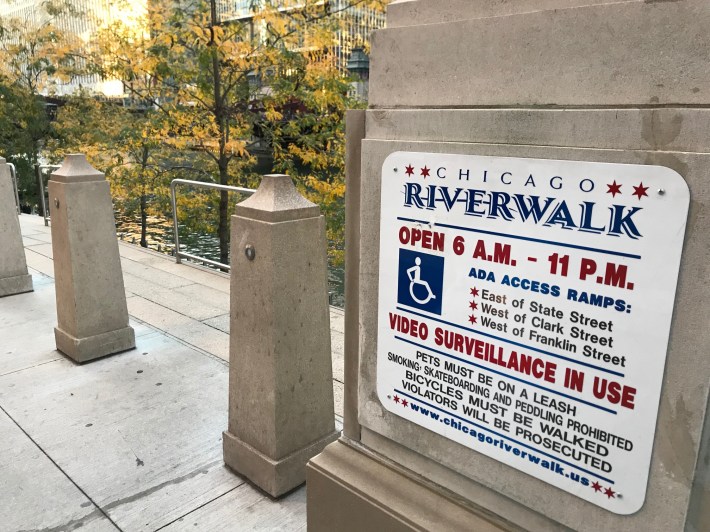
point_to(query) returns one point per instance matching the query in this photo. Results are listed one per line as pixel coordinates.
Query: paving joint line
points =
(177, 311)
(212, 326)
(60, 469)
(180, 340)
(164, 256)
(30, 367)
(202, 351)
(160, 286)
(200, 506)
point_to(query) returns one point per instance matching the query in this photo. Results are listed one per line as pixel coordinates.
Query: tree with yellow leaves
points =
(201, 74)
(35, 56)
(126, 143)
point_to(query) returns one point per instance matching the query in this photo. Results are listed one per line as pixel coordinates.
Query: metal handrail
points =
(200, 184)
(15, 186)
(39, 168)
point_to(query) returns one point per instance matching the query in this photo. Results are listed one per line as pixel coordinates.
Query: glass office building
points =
(357, 23)
(87, 17)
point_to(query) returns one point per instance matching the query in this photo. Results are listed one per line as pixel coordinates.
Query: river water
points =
(160, 238)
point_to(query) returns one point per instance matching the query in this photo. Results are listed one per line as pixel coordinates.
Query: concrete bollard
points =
(280, 374)
(91, 301)
(14, 278)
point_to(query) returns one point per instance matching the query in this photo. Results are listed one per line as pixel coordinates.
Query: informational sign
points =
(525, 308)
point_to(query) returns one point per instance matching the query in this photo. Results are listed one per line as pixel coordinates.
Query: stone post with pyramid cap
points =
(14, 278)
(91, 301)
(280, 373)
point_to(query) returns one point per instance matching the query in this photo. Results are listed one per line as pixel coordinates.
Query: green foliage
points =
(305, 124)
(33, 58)
(23, 124)
(37, 56)
(230, 100)
(201, 76)
(129, 147)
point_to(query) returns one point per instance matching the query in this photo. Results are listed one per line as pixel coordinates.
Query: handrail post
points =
(40, 186)
(15, 185)
(176, 234)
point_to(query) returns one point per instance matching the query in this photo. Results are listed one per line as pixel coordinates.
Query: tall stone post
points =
(91, 301)
(14, 278)
(280, 374)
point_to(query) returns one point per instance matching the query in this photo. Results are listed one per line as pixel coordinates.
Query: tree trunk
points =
(144, 221)
(220, 115)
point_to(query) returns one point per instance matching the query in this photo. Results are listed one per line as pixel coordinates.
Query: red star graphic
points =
(409, 170)
(474, 292)
(404, 402)
(473, 319)
(473, 305)
(396, 399)
(614, 189)
(640, 191)
(425, 172)
(597, 486)
(609, 493)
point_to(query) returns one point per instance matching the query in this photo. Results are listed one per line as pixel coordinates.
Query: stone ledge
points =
(416, 12)
(351, 491)
(656, 53)
(665, 129)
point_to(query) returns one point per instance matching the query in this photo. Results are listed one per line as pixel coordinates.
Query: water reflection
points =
(159, 237)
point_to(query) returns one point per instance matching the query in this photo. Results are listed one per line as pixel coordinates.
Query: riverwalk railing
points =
(173, 198)
(40, 170)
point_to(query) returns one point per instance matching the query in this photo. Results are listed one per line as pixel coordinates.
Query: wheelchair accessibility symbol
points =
(421, 279)
(414, 274)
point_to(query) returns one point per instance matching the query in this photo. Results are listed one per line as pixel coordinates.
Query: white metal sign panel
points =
(525, 308)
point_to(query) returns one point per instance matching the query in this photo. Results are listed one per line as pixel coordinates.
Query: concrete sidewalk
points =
(188, 302)
(132, 441)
